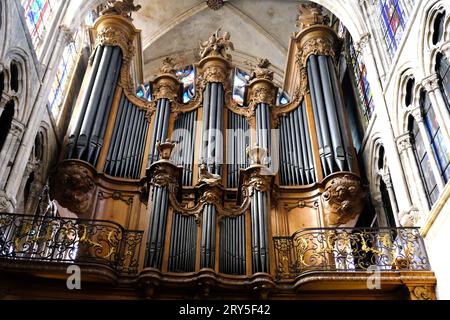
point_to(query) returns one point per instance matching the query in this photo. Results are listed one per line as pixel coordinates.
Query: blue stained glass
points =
(187, 77)
(241, 80)
(392, 22)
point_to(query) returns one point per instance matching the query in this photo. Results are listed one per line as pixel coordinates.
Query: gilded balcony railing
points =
(349, 249)
(56, 239)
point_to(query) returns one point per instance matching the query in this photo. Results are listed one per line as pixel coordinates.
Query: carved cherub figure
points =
(216, 45)
(121, 7)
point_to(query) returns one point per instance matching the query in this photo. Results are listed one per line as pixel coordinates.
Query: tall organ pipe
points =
(332, 118)
(86, 137)
(73, 137)
(341, 111)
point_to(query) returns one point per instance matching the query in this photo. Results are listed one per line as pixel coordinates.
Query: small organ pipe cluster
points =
(211, 182)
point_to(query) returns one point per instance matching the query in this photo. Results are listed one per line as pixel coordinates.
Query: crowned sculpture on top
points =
(121, 7)
(262, 71)
(216, 46)
(310, 14)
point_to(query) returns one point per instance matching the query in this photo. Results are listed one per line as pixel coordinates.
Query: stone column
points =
(8, 153)
(418, 116)
(405, 148)
(431, 85)
(388, 183)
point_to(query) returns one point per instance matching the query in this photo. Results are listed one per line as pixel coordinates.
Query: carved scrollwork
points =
(343, 199)
(422, 293)
(261, 91)
(73, 186)
(318, 46)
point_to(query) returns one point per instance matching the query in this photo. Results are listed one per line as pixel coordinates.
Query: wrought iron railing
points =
(56, 239)
(349, 249)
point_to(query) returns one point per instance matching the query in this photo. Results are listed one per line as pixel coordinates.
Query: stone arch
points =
(399, 109)
(33, 180)
(426, 51)
(17, 57)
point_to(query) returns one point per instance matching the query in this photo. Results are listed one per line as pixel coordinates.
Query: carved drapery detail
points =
(261, 91)
(73, 186)
(110, 35)
(343, 199)
(317, 46)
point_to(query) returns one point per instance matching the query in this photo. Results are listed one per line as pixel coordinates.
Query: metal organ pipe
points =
(74, 134)
(297, 166)
(330, 106)
(340, 112)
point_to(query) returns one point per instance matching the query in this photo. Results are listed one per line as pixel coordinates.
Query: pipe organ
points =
(211, 182)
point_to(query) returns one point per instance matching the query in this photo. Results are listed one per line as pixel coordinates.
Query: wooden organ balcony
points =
(228, 200)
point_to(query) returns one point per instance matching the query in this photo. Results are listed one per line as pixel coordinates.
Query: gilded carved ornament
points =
(422, 293)
(217, 45)
(318, 46)
(73, 186)
(343, 199)
(123, 8)
(310, 14)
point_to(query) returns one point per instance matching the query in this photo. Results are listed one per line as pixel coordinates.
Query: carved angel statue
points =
(217, 45)
(121, 7)
(261, 71)
(169, 66)
(207, 177)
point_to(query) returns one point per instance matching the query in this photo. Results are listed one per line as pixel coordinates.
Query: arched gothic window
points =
(443, 70)
(440, 149)
(409, 94)
(38, 14)
(5, 122)
(423, 163)
(14, 81)
(438, 27)
(393, 23)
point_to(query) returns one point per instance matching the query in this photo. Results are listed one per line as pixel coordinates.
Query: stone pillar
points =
(418, 116)
(431, 85)
(8, 153)
(409, 163)
(388, 182)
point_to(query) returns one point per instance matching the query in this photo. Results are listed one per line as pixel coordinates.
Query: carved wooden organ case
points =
(210, 182)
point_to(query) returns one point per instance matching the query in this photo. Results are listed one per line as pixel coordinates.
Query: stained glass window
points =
(241, 79)
(424, 164)
(393, 23)
(443, 70)
(38, 14)
(187, 77)
(282, 98)
(145, 92)
(440, 149)
(365, 94)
